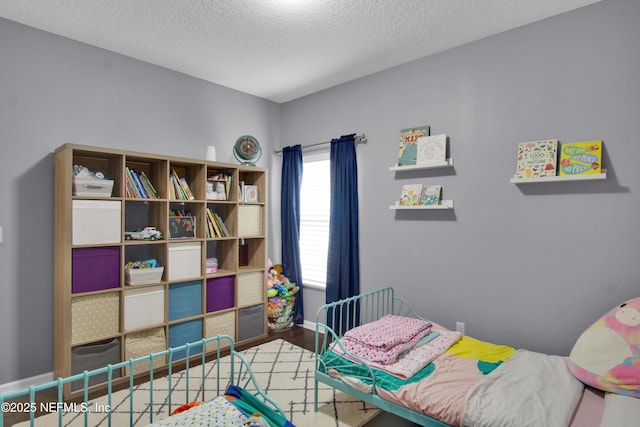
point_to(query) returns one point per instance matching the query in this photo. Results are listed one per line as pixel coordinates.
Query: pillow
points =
(607, 355)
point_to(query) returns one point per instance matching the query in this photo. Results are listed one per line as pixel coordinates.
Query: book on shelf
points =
(241, 192)
(411, 194)
(176, 191)
(180, 187)
(215, 225)
(138, 185)
(141, 191)
(225, 230)
(210, 230)
(431, 195)
(182, 227)
(580, 158)
(130, 189)
(431, 149)
(537, 159)
(146, 182)
(212, 225)
(408, 151)
(187, 190)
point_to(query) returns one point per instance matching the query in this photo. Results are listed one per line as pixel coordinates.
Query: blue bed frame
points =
(344, 314)
(240, 374)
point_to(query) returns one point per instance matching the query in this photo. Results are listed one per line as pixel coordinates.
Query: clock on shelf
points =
(247, 150)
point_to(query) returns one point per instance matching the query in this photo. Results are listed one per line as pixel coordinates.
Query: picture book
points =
(182, 227)
(431, 195)
(581, 158)
(537, 159)
(431, 149)
(408, 144)
(411, 194)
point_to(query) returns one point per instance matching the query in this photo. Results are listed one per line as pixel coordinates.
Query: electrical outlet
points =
(460, 327)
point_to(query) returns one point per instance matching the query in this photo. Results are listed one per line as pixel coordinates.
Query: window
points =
(315, 199)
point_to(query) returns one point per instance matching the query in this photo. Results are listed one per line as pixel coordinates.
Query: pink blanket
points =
(409, 363)
(385, 339)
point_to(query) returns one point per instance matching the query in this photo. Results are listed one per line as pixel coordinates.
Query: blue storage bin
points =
(185, 299)
(183, 333)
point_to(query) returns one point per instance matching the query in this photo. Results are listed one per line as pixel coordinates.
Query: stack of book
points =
(179, 187)
(138, 185)
(215, 225)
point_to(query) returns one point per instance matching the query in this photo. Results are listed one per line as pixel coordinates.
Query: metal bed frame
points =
(240, 374)
(348, 313)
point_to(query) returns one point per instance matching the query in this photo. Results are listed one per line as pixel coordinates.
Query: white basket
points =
(143, 276)
(90, 187)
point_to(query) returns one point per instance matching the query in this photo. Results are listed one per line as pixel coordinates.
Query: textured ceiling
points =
(279, 49)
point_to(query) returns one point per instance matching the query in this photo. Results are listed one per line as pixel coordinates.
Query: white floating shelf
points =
(444, 204)
(588, 177)
(447, 163)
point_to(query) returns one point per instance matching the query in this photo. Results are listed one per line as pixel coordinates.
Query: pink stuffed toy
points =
(607, 355)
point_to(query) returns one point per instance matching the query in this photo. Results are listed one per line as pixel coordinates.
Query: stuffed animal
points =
(277, 283)
(607, 355)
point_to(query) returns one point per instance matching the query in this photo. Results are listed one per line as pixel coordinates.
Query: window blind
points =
(314, 219)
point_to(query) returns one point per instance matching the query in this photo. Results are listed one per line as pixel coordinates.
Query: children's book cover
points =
(581, 158)
(411, 194)
(537, 159)
(432, 149)
(409, 144)
(431, 195)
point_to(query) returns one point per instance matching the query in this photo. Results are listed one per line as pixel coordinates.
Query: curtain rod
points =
(358, 139)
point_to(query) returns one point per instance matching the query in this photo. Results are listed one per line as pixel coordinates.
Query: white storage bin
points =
(143, 307)
(90, 187)
(96, 222)
(185, 261)
(143, 276)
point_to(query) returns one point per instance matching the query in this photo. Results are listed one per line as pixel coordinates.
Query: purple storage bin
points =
(220, 293)
(94, 269)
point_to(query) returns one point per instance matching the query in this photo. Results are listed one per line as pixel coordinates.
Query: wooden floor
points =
(299, 336)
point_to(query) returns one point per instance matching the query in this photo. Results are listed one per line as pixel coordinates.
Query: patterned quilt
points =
(237, 408)
(474, 383)
(438, 389)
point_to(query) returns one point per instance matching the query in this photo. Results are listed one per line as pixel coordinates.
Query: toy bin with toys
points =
(282, 297)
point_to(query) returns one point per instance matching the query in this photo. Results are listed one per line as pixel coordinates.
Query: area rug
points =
(283, 370)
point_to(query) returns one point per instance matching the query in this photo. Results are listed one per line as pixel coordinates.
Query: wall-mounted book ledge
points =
(587, 177)
(447, 163)
(444, 204)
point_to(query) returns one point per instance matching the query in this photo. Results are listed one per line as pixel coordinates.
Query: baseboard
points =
(26, 383)
(309, 325)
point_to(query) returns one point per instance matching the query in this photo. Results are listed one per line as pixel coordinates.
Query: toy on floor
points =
(277, 283)
(281, 293)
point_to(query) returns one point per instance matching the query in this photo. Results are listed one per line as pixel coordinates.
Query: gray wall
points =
(53, 91)
(530, 266)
